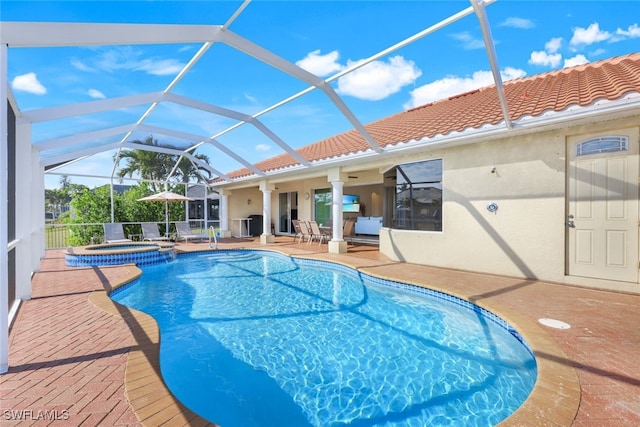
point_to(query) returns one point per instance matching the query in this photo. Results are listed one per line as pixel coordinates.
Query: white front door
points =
(602, 220)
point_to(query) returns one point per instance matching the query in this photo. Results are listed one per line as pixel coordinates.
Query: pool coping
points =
(555, 398)
(144, 246)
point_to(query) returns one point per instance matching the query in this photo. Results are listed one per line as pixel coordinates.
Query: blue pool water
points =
(252, 338)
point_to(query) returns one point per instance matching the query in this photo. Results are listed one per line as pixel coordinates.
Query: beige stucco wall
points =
(239, 206)
(525, 237)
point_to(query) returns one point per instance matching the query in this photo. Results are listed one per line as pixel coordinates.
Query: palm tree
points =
(54, 198)
(187, 170)
(154, 166)
(58, 200)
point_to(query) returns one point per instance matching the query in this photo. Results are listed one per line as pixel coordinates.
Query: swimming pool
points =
(254, 338)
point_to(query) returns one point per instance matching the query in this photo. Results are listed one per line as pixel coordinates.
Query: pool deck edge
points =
(147, 394)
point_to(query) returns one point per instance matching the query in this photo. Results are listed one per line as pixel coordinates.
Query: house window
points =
(603, 144)
(322, 200)
(417, 195)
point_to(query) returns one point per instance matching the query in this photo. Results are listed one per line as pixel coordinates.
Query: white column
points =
(336, 206)
(266, 236)
(4, 218)
(38, 220)
(26, 204)
(337, 243)
(111, 200)
(206, 208)
(224, 216)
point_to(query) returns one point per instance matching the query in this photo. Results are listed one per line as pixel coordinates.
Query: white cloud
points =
(589, 35)
(553, 45)
(95, 93)
(128, 58)
(163, 67)
(320, 65)
(263, 147)
(28, 83)
(632, 32)
(378, 79)
(468, 41)
(454, 85)
(515, 22)
(122, 58)
(251, 99)
(544, 58)
(549, 56)
(576, 60)
(76, 63)
(511, 73)
(374, 81)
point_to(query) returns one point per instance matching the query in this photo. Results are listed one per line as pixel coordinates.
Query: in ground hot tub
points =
(119, 253)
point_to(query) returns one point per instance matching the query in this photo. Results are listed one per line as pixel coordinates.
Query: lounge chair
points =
(151, 232)
(317, 233)
(113, 233)
(183, 231)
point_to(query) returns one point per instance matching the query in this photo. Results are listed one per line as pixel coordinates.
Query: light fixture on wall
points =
(248, 201)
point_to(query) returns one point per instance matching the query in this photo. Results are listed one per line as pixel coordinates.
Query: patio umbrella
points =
(166, 197)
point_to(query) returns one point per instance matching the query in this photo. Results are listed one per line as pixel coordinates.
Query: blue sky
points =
(321, 36)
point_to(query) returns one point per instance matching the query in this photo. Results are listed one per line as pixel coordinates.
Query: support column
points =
(206, 209)
(38, 219)
(266, 236)
(337, 243)
(29, 202)
(4, 217)
(224, 215)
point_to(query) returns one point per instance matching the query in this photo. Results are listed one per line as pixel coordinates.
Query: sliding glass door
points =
(288, 211)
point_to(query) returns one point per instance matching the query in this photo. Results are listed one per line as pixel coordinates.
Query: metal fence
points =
(64, 235)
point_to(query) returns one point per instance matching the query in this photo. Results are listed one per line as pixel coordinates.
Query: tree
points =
(53, 198)
(58, 200)
(135, 210)
(188, 171)
(90, 206)
(94, 207)
(149, 164)
(156, 167)
(64, 181)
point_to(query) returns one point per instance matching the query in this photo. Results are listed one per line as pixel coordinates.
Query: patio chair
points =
(347, 231)
(298, 230)
(151, 232)
(183, 231)
(113, 233)
(316, 233)
(305, 229)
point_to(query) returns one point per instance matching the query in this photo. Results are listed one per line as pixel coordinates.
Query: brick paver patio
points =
(78, 359)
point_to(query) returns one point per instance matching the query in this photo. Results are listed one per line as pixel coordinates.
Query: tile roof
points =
(530, 96)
